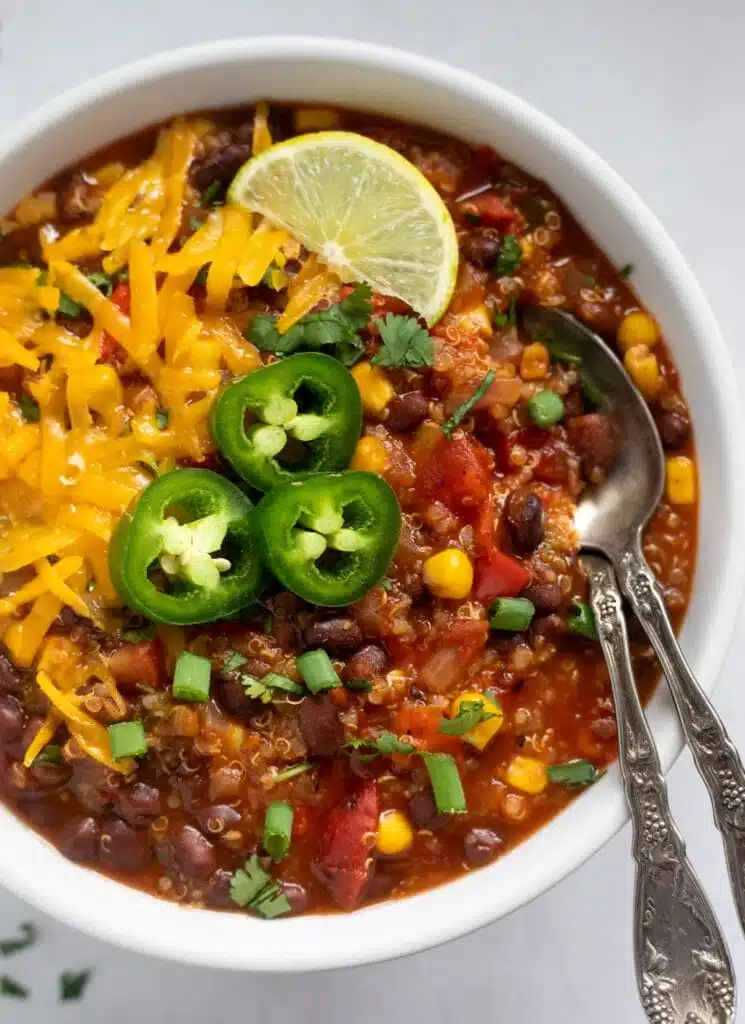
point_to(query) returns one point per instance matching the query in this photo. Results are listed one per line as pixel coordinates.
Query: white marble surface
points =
(658, 88)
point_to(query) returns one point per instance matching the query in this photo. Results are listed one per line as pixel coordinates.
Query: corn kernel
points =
(535, 362)
(638, 329)
(395, 834)
(527, 774)
(370, 456)
(449, 574)
(315, 119)
(680, 480)
(527, 246)
(375, 388)
(643, 369)
(484, 732)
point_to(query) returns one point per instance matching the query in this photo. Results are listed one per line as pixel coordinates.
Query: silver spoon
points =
(684, 972)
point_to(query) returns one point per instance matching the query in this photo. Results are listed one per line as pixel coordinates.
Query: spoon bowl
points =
(609, 518)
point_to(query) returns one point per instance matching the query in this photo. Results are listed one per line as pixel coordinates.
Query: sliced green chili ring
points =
(447, 788)
(328, 539)
(289, 420)
(511, 613)
(184, 554)
(278, 829)
(583, 620)
(316, 669)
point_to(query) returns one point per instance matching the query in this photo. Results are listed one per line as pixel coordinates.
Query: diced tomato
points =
(143, 662)
(111, 351)
(457, 472)
(498, 575)
(554, 464)
(493, 211)
(344, 863)
(420, 723)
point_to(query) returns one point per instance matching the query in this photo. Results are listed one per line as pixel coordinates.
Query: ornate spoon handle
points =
(683, 968)
(716, 758)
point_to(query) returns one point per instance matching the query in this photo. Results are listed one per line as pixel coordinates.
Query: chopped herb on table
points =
(29, 935)
(72, 984)
(10, 987)
(406, 344)
(573, 773)
(463, 410)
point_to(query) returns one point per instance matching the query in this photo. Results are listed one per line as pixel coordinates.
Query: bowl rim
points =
(55, 898)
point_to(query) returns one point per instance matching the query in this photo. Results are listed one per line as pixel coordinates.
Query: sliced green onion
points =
(511, 613)
(317, 671)
(560, 354)
(127, 739)
(545, 408)
(583, 620)
(446, 785)
(50, 754)
(463, 410)
(191, 677)
(277, 682)
(573, 773)
(590, 390)
(290, 773)
(278, 829)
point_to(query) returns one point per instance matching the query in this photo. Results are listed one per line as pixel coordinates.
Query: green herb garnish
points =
(254, 888)
(29, 935)
(470, 713)
(209, 193)
(162, 417)
(72, 984)
(290, 773)
(406, 343)
(138, 634)
(104, 282)
(508, 319)
(29, 408)
(234, 661)
(194, 225)
(463, 410)
(386, 743)
(334, 329)
(387, 583)
(362, 685)
(509, 257)
(68, 307)
(573, 773)
(50, 754)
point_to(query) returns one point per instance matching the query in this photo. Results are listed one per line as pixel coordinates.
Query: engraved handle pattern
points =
(714, 753)
(683, 968)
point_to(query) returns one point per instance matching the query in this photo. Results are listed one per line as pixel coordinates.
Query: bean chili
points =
(432, 724)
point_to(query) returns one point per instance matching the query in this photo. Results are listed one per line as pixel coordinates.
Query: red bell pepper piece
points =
(111, 351)
(344, 863)
(141, 662)
(498, 575)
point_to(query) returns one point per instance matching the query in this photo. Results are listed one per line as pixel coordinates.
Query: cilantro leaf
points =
(509, 257)
(9, 987)
(508, 319)
(29, 408)
(72, 984)
(234, 661)
(362, 685)
(335, 329)
(385, 743)
(470, 713)
(161, 418)
(138, 634)
(463, 410)
(29, 935)
(68, 307)
(405, 343)
(255, 688)
(210, 194)
(104, 282)
(254, 888)
(573, 773)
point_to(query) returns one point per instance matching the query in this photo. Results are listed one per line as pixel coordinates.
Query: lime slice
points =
(368, 213)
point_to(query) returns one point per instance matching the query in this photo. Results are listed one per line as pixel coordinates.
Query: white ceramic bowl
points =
(412, 88)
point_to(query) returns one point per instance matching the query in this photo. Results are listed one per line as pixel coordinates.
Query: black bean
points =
(138, 804)
(121, 847)
(341, 634)
(674, 428)
(481, 248)
(217, 818)
(424, 812)
(297, 896)
(480, 845)
(232, 695)
(193, 854)
(405, 412)
(12, 720)
(78, 840)
(320, 725)
(10, 676)
(525, 521)
(546, 597)
(552, 627)
(220, 165)
(370, 661)
(217, 893)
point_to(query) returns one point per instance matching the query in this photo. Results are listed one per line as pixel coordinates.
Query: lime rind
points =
(366, 211)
